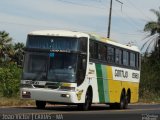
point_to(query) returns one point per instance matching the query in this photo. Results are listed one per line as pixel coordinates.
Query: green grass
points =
(149, 101)
(15, 101)
(149, 97)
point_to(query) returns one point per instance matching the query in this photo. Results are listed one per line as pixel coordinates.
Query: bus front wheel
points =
(88, 101)
(40, 104)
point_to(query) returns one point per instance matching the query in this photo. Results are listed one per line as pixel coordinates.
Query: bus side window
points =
(110, 54)
(125, 58)
(102, 51)
(118, 56)
(132, 59)
(137, 60)
(93, 49)
(83, 44)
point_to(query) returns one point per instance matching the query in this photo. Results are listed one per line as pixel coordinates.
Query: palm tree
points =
(5, 45)
(153, 27)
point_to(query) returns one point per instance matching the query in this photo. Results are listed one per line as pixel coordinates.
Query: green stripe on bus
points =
(105, 83)
(100, 83)
(108, 98)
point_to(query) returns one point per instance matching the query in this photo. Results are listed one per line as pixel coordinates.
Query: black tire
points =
(88, 101)
(40, 104)
(126, 101)
(122, 103)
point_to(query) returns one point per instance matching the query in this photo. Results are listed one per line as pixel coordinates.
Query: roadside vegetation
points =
(150, 78)
(150, 69)
(11, 57)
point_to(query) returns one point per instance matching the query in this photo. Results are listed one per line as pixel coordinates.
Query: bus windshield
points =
(56, 67)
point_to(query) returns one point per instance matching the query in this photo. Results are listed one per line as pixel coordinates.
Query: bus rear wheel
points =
(88, 101)
(40, 104)
(123, 101)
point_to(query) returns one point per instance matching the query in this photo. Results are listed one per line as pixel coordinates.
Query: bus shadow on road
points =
(71, 108)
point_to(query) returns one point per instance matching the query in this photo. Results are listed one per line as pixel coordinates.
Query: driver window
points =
(81, 70)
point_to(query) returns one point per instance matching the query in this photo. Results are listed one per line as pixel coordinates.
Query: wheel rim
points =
(122, 101)
(126, 102)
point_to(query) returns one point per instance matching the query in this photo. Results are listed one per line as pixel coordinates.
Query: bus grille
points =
(39, 86)
(52, 85)
(48, 85)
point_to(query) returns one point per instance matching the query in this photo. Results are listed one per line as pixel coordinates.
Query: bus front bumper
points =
(49, 95)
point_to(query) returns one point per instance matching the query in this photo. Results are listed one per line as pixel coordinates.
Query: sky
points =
(20, 17)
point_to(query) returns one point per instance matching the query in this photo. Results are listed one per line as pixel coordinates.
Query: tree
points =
(153, 27)
(5, 45)
(150, 65)
(18, 53)
(9, 71)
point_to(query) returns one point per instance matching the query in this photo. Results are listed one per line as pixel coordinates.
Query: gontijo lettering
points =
(121, 73)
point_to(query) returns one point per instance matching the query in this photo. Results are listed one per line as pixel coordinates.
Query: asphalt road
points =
(97, 112)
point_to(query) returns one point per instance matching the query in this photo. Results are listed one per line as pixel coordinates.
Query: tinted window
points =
(93, 49)
(58, 67)
(102, 51)
(125, 58)
(81, 68)
(51, 42)
(110, 54)
(83, 44)
(132, 59)
(118, 56)
(137, 60)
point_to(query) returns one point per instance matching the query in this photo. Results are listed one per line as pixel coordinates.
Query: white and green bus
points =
(69, 67)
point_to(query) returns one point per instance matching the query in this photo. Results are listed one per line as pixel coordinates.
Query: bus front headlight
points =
(26, 94)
